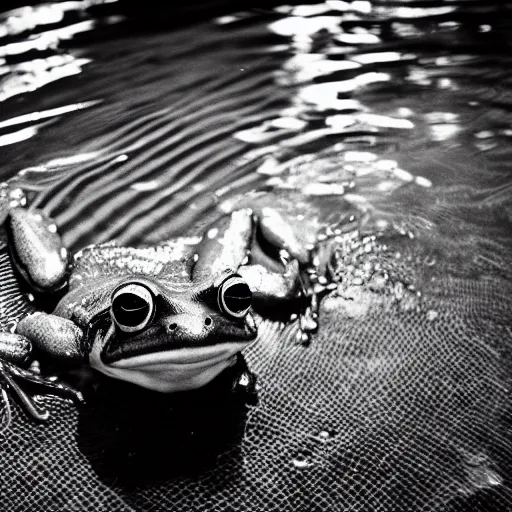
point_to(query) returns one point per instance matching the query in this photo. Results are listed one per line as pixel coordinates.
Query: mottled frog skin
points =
(168, 318)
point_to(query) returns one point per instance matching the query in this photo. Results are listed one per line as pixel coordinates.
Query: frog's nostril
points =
(173, 326)
(208, 321)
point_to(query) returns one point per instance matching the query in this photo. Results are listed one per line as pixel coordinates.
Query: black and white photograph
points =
(256, 257)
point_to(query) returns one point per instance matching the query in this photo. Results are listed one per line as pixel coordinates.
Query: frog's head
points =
(167, 336)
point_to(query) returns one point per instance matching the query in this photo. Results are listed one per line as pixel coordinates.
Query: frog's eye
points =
(234, 297)
(132, 307)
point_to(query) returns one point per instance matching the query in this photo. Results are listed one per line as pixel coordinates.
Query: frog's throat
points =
(172, 370)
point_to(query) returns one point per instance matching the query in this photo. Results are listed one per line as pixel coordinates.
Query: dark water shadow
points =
(134, 437)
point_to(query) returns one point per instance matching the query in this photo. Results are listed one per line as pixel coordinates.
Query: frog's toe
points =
(15, 348)
(12, 375)
(50, 383)
(55, 336)
(37, 249)
(8, 382)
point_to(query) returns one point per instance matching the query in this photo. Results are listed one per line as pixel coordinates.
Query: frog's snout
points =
(189, 329)
(184, 325)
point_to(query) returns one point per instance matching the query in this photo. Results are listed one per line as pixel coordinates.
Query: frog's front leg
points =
(31, 256)
(262, 247)
(16, 352)
(237, 243)
(36, 250)
(50, 337)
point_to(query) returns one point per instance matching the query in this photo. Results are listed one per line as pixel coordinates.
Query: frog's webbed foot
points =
(10, 374)
(17, 349)
(54, 336)
(300, 281)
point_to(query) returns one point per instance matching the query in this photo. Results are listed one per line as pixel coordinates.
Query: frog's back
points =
(103, 261)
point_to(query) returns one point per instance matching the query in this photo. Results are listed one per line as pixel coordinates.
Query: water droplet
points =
(484, 134)
(318, 288)
(302, 460)
(403, 175)
(492, 477)
(212, 233)
(432, 315)
(399, 290)
(423, 182)
(305, 338)
(145, 186)
(244, 380)
(444, 83)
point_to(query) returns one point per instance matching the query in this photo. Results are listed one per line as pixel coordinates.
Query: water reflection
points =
(32, 44)
(37, 121)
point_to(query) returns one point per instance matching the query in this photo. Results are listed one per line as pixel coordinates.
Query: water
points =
(384, 127)
(145, 128)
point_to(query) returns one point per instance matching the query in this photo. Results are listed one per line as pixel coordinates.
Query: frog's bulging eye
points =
(234, 297)
(132, 307)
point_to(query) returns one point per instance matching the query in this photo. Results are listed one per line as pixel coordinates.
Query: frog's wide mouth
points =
(191, 357)
(173, 370)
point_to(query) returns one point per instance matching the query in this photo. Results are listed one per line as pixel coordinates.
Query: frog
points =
(169, 318)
